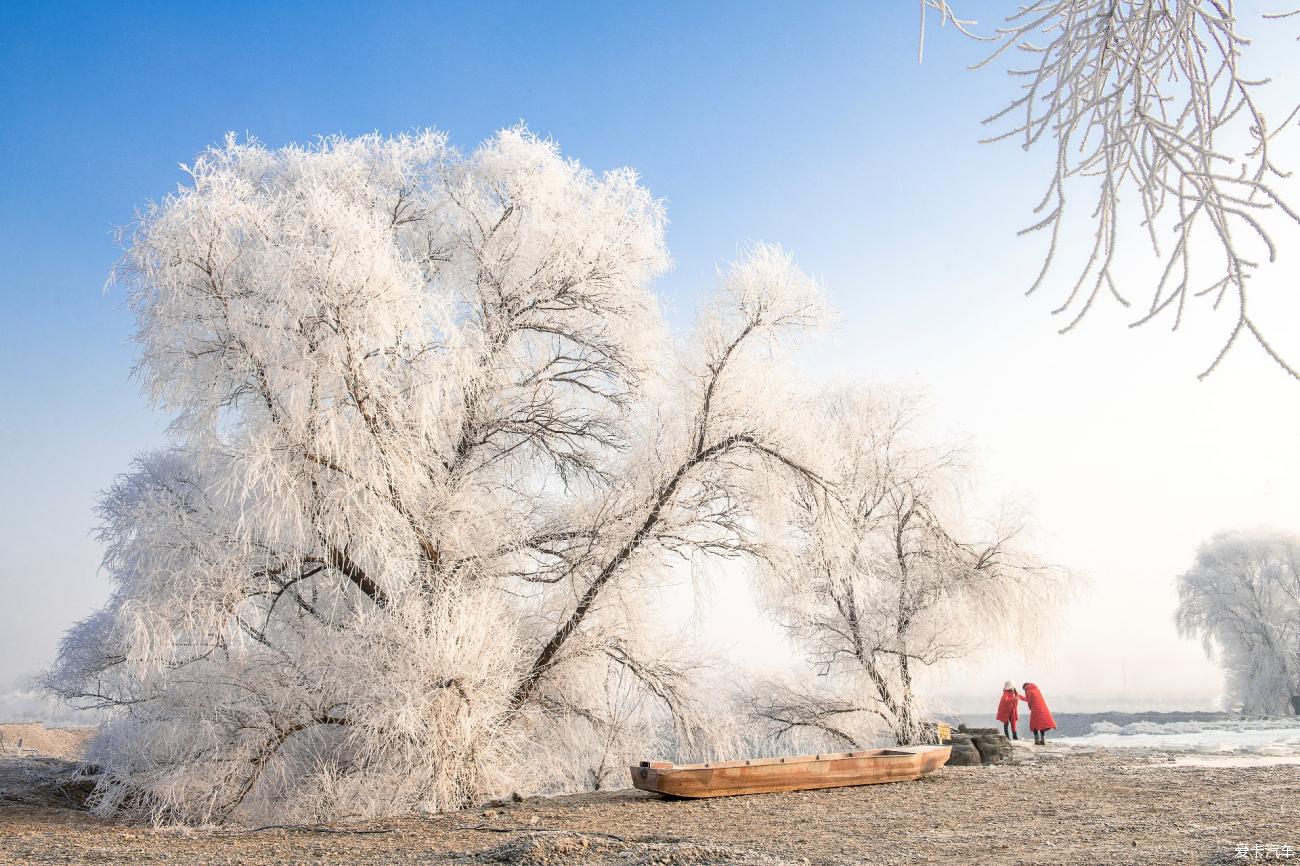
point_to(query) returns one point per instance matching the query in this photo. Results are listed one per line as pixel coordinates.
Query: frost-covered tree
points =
(887, 577)
(1157, 126)
(432, 457)
(1242, 599)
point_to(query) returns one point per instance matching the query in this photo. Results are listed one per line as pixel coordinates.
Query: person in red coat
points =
(1040, 717)
(1009, 710)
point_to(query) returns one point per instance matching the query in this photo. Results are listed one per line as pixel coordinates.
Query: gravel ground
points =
(1055, 805)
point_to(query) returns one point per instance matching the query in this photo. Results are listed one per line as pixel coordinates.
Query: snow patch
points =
(1262, 737)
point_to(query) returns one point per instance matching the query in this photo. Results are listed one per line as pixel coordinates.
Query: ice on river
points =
(1278, 738)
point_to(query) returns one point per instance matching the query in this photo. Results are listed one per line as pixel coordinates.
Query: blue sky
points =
(815, 128)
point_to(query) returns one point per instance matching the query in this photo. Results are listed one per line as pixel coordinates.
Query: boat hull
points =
(802, 773)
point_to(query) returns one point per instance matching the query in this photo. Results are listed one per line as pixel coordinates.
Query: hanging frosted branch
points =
(946, 16)
(1147, 101)
(1275, 16)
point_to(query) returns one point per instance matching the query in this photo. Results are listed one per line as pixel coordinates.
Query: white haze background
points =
(1128, 461)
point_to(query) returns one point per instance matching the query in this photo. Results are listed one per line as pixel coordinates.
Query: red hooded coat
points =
(1009, 707)
(1040, 717)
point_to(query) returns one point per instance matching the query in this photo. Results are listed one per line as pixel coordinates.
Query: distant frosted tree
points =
(886, 577)
(432, 456)
(1157, 127)
(1242, 599)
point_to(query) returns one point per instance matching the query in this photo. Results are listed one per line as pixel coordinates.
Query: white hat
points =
(1009, 685)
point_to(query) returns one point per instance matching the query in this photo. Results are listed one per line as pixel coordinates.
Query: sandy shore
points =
(1056, 805)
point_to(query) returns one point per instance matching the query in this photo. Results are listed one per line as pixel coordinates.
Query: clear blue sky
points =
(808, 124)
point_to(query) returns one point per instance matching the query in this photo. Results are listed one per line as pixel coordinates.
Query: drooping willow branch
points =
(1148, 102)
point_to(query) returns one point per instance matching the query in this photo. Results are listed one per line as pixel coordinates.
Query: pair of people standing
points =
(1040, 717)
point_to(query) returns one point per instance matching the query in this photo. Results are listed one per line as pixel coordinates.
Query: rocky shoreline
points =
(974, 747)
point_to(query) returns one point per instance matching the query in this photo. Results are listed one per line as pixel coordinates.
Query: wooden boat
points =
(800, 773)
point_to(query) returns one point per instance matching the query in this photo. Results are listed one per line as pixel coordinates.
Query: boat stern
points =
(645, 775)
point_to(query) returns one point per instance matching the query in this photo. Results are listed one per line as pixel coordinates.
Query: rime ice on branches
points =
(1150, 105)
(431, 454)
